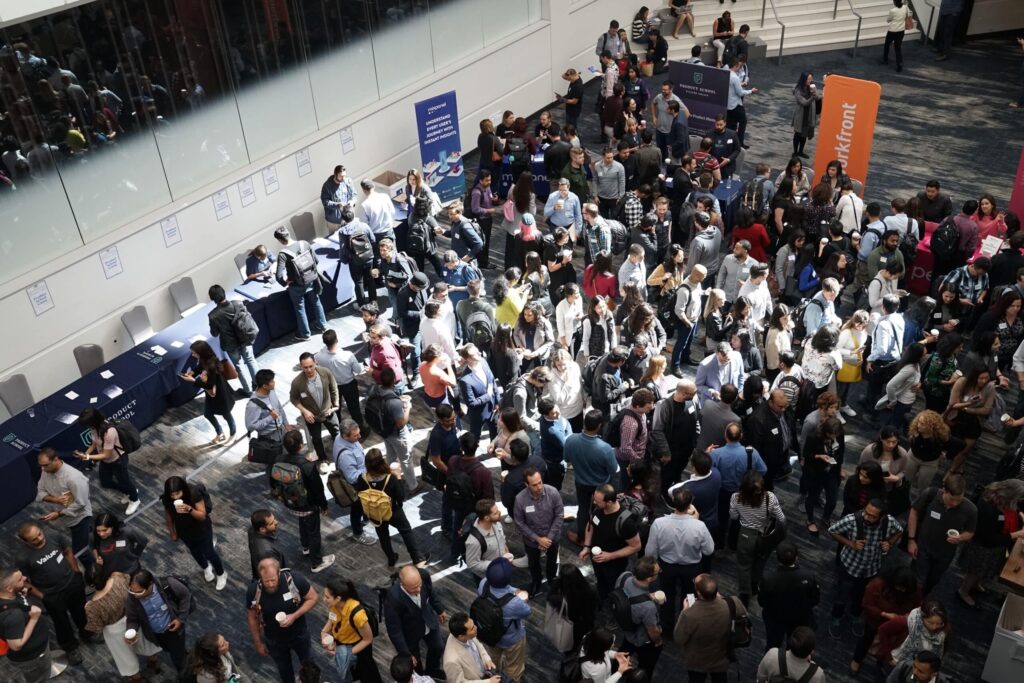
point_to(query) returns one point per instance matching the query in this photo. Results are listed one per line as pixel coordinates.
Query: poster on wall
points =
(39, 297)
(221, 204)
(171, 231)
(246, 191)
(110, 259)
(703, 89)
(437, 124)
(270, 182)
(846, 127)
(303, 162)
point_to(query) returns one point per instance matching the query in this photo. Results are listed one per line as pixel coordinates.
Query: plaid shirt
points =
(864, 563)
(969, 287)
(634, 210)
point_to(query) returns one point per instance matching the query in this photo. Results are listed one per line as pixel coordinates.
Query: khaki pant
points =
(920, 474)
(510, 661)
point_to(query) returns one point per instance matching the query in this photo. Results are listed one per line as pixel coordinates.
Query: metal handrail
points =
(860, 20)
(782, 36)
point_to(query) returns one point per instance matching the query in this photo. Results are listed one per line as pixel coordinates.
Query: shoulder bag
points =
(558, 628)
(773, 532)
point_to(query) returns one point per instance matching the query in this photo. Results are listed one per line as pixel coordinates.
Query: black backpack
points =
(740, 629)
(184, 582)
(783, 675)
(127, 434)
(487, 614)
(301, 265)
(613, 432)
(730, 51)
(587, 376)
(667, 311)
(480, 329)
(418, 242)
(376, 411)
(753, 197)
(360, 247)
(945, 241)
(243, 325)
(622, 605)
(620, 237)
(517, 150)
(467, 529)
(799, 326)
(459, 487)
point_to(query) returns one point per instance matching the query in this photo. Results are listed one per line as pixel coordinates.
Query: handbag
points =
(850, 372)
(509, 210)
(558, 628)
(227, 369)
(647, 68)
(909, 21)
(772, 534)
(263, 451)
(344, 493)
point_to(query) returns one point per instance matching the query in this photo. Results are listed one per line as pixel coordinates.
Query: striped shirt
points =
(755, 517)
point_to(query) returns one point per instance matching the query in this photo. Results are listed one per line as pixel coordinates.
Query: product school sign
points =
(846, 128)
(437, 123)
(703, 89)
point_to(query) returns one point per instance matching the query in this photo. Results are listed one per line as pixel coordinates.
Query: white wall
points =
(991, 16)
(520, 73)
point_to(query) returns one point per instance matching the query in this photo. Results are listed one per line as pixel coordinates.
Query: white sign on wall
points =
(110, 259)
(39, 297)
(270, 183)
(221, 204)
(303, 162)
(246, 191)
(170, 230)
(348, 141)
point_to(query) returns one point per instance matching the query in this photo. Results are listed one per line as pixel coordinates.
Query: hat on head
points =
(528, 219)
(420, 280)
(569, 73)
(499, 572)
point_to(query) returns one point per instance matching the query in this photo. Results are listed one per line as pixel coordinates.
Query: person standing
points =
(25, 629)
(388, 414)
(484, 538)
(805, 118)
(345, 367)
(897, 20)
(413, 615)
(945, 33)
(187, 507)
(53, 572)
(736, 115)
(615, 532)
(106, 448)
(262, 540)
(465, 659)
(380, 482)
(643, 637)
(265, 415)
(218, 399)
(787, 597)
(703, 631)
(573, 97)
(233, 325)
(158, 609)
(687, 312)
(296, 482)
(538, 517)
(348, 633)
(594, 465)
(509, 653)
(940, 520)
(792, 661)
(350, 461)
(681, 543)
(67, 488)
(277, 603)
(753, 507)
(378, 211)
(314, 391)
(298, 272)
(337, 193)
(662, 118)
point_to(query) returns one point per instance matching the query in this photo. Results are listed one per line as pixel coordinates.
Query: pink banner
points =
(1017, 196)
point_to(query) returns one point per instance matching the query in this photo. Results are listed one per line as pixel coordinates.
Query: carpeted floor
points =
(945, 120)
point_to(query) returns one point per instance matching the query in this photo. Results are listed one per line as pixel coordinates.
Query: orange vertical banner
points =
(846, 127)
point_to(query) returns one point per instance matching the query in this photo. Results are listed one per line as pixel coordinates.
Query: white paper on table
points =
(246, 191)
(177, 344)
(93, 399)
(113, 391)
(197, 337)
(71, 395)
(106, 374)
(158, 350)
(270, 182)
(991, 245)
(39, 297)
(67, 418)
(221, 204)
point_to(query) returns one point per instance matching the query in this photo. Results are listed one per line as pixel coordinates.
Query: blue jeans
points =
(897, 415)
(238, 357)
(301, 296)
(212, 417)
(344, 662)
(684, 338)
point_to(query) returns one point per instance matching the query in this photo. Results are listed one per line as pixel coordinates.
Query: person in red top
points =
(706, 162)
(384, 353)
(480, 478)
(886, 596)
(599, 278)
(745, 228)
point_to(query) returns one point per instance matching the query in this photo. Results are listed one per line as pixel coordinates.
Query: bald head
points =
(685, 390)
(410, 578)
(778, 401)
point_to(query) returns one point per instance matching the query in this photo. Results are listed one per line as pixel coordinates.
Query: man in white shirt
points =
(735, 270)
(378, 211)
(755, 289)
(849, 208)
(633, 270)
(434, 330)
(343, 364)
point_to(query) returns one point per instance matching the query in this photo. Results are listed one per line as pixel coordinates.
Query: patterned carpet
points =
(930, 125)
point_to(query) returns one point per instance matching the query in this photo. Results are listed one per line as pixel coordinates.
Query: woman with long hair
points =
(941, 371)
(569, 317)
(535, 275)
(437, 375)
(656, 381)
(927, 629)
(670, 274)
(599, 663)
(751, 395)
(682, 10)
(949, 315)
(806, 282)
(990, 220)
(752, 505)
(633, 296)
(742, 340)
(823, 463)
(380, 477)
(837, 266)
(746, 227)
(115, 547)
(821, 358)
(506, 364)
(220, 398)
(1004, 318)
(930, 439)
(783, 212)
(533, 336)
(852, 337)
(999, 525)
(523, 201)
(347, 633)
(105, 614)
(490, 148)
(210, 660)
(580, 598)
(805, 118)
(187, 508)
(888, 595)
(984, 353)
(738, 317)
(890, 456)
(510, 427)
(106, 449)
(508, 301)
(778, 340)
(714, 319)
(901, 391)
(819, 213)
(599, 333)
(528, 240)
(643, 321)
(834, 178)
(599, 278)
(258, 263)
(635, 88)
(785, 265)
(867, 483)
(565, 389)
(917, 322)
(970, 403)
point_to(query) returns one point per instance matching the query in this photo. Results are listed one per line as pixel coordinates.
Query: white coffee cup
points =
(326, 641)
(1006, 417)
(280, 616)
(179, 503)
(396, 469)
(595, 551)
(953, 533)
(130, 634)
(658, 597)
(934, 333)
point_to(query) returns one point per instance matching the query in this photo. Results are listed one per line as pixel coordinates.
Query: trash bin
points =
(1005, 661)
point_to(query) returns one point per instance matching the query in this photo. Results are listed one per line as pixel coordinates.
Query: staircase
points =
(809, 25)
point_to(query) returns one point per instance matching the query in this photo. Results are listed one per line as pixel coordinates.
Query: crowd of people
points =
(674, 359)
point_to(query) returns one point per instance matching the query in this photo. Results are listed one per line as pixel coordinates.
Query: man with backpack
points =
(482, 538)
(298, 272)
(337, 194)
(608, 386)
(791, 664)
(387, 413)
(296, 483)
(359, 249)
(614, 533)
(636, 612)
(500, 614)
(593, 462)
(410, 301)
(158, 610)
(522, 395)
(627, 432)
(278, 601)
(110, 446)
(886, 351)
(468, 481)
(686, 307)
(350, 461)
(233, 325)
(707, 631)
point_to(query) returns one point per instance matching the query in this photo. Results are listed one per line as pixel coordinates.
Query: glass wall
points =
(113, 109)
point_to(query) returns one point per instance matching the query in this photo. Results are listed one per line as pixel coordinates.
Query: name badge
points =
(745, 270)
(936, 514)
(883, 259)
(163, 607)
(937, 316)
(791, 258)
(729, 141)
(332, 616)
(596, 521)
(529, 508)
(1001, 518)
(749, 411)
(120, 544)
(286, 596)
(304, 395)
(1003, 326)
(775, 431)
(60, 558)
(689, 409)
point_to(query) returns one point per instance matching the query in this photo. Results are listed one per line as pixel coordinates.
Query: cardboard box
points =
(390, 183)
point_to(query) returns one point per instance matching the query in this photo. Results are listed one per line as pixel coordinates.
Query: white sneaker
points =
(842, 420)
(521, 562)
(324, 467)
(507, 519)
(324, 564)
(208, 573)
(222, 581)
(133, 506)
(364, 538)
(848, 411)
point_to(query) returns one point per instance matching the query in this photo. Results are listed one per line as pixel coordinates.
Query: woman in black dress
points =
(219, 397)
(115, 547)
(187, 508)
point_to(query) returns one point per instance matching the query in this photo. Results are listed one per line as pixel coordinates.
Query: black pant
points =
(309, 536)
(572, 114)
(849, 590)
(435, 649)
(607, 573)
(203, 552)
(115, 475)
(554, 475)
(701, 676)
(433, 258)
(173, 643)
(723, 516)
(316, 435)
(486, 222)
(860, 651)
(815, 484)
(350, 393)
(365, 286)
(676, 581)
(510, 251)
(550, 565)
(400, 522)
(281, 653)
(737, 120)
(778, 631)
(945, 32)
(647, 655)
(607, 206)
(356, 517)
(66, 608)
(894, 38)
(584, 499)
(81, 538)
(799, 141)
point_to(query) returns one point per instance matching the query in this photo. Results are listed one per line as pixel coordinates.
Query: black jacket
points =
(410, 310)
(788, 596)
(670, 438)
(175, 594)
(407, 623)
(556, 157)
(757, 432)
(261, 547)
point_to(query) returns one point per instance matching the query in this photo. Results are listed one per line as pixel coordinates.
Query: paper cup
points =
(595, 551)
(326, 641)
(396, 469)
(179, 503)
(658, 597)
(934, 333)
(130, 634)
(953, 533)
(280, 616)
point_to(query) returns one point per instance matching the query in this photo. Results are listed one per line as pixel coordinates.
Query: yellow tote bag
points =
(850, 372)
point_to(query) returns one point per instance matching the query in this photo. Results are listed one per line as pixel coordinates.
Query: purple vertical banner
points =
(437, 123)
(703, 89)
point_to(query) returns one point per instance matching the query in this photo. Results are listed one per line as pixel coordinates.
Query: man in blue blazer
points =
(476, 385)
(413, 614)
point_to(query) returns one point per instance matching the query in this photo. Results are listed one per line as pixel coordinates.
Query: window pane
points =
(341, 66)
(36, 225)
(456, 30)
(503, 17)
(401, 45)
